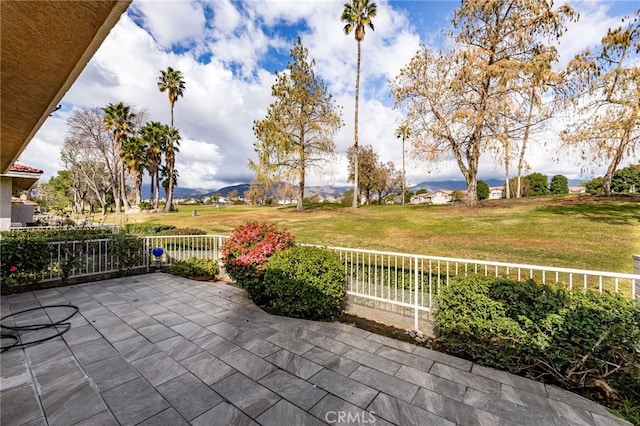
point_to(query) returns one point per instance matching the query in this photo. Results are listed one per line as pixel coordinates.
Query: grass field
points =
(582, 232)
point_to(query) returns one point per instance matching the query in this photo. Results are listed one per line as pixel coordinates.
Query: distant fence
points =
(406, 280)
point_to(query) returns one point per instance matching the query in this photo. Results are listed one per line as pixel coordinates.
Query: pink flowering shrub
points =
(247, 251)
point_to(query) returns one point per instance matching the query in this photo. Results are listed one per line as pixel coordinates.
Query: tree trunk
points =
(355, 134)
(525, 141)
(617, 158)
(123, 188)
(404, 184)
(170, 164)
(303, 166)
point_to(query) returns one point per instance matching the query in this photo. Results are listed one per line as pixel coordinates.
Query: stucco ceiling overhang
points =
(44, 45)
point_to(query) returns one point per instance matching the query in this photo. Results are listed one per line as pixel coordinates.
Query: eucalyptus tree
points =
(119, 120)
(172, 82)
(296, 133)
(357, 15)
(88, 168)
(88, 148)
(603, 86)
(403, 132)
(455, 99)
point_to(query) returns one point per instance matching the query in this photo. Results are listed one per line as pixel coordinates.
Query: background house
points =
(19, 211)
(441, 197)
(496, 193)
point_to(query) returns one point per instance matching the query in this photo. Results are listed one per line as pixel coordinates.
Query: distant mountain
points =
(330, 190)
(451, 185)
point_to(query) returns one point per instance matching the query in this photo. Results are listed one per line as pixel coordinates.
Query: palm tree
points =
(156, 138)
(133, 155)
(403, 132)
(169, 177)
(118, 119)
(171, 81)
(357, 15)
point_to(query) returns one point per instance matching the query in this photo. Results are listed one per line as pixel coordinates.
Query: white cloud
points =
(171, 22)
(232, 88)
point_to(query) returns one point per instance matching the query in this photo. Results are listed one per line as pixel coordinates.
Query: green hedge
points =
(202, 269)
(182, 231)
(305, 282)
(577, 340)
(59, 234)
(146, 228)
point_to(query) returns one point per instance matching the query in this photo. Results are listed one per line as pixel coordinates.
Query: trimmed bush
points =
(306, 282)
(23, 260)
(246, 252)
(194, 268)
(182, 231)
(146, 228)
(582, 341)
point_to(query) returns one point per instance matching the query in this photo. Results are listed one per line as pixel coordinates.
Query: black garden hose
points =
(61, 326)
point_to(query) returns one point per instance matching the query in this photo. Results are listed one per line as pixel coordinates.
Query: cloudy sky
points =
(228, 52)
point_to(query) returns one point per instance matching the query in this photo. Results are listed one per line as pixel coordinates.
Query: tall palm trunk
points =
(356, 190)
(404, 179)
(170, 165)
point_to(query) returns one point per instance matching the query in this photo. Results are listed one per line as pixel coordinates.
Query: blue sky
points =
(228, 52)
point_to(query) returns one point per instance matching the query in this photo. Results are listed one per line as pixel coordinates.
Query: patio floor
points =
(162, 350)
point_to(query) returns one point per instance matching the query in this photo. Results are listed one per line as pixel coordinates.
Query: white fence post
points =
(635, 291)
(416, 303)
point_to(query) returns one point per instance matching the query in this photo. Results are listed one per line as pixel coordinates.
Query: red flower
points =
(13, 269)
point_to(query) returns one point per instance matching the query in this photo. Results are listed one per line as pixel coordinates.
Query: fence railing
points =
(181, 247)
(413, 281)
(405, 280)
(90, 257)
(114, 228)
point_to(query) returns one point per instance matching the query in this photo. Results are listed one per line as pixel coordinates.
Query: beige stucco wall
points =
(5, 203)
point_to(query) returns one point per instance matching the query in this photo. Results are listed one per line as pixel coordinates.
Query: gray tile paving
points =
(224, 414)
(294, 364)
(207, 367)
(298, 391)
(249, 364)
(284, 413)
(158, 368)
(344, 387)
(111, 372)
(384, 382)
(189, 396)
(163, 350)
(19, 405)
(134, 402)
(247, 395)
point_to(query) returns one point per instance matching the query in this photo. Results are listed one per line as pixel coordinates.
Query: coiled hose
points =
(61, 327)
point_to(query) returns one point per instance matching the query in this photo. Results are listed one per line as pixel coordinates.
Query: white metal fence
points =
(90, 257)
(405, 280)
(412, 281)
(181, 247)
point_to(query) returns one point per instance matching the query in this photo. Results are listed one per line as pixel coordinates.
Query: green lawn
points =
(576, 231)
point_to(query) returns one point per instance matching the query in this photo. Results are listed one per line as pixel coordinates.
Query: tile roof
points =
(24, 169)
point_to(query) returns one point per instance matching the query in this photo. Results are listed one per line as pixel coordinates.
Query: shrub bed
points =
(305, 282)
(194, 268)
(246, 252)
(586, 342)
(146, 228)
(182, 231)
